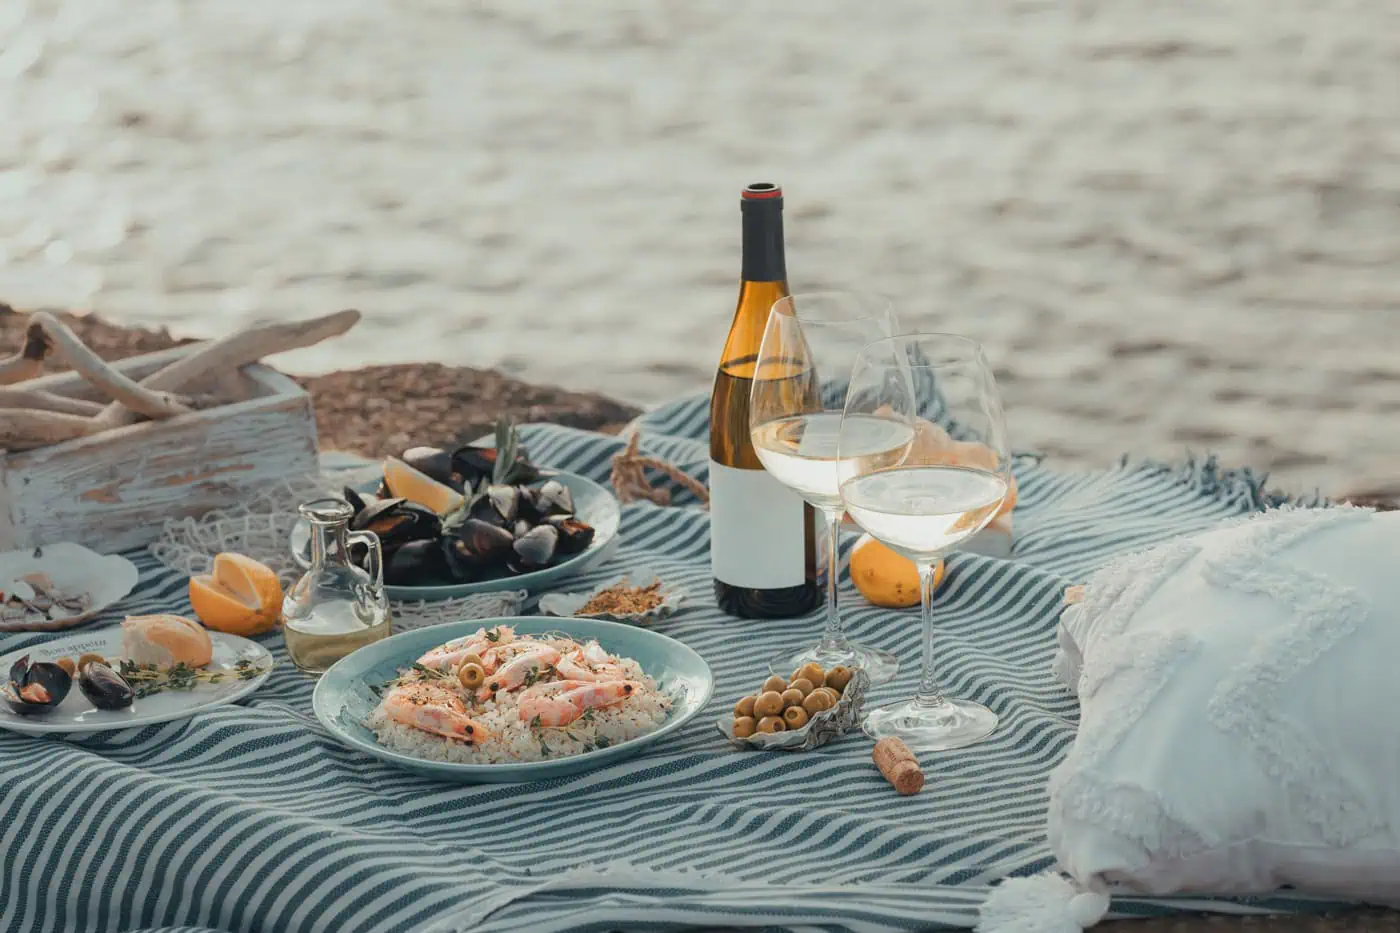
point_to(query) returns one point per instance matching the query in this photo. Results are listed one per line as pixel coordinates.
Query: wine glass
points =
(948, 486)
(795, 419)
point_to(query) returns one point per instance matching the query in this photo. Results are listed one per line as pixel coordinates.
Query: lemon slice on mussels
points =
(406, 482)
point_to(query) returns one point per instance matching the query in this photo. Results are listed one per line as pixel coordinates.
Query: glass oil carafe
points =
(335, 607)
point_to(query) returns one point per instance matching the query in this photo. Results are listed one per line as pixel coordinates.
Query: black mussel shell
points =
(104, 687)
(382, 491)
(418, 563)
(483, 509)
(574, 535)
(398, 521)
(506, 500)
(536, 548)
(554, 498)
(36, 688)
(357, 501)
(528, 497)
(437, 464)
(474, 547)
(479, 463)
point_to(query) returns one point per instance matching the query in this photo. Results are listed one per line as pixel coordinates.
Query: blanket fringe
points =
(1242, 485)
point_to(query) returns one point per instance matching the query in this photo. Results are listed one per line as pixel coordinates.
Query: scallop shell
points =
(568, 604)
(820, 729)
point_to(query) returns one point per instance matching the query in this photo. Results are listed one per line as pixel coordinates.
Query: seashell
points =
(823, 727)
(567, 605)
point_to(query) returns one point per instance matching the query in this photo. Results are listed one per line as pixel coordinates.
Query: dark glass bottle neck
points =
(764, 260)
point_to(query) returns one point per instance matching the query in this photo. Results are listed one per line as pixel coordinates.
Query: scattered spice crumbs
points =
(625, 600)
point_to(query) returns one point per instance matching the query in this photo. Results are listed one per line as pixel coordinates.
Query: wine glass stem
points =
(832, 638)
(929, 693)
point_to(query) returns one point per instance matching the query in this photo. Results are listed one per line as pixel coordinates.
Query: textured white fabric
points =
(1237, 733)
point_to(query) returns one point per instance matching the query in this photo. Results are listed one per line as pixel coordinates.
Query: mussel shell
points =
(398, 521)
(506, 500)
(528, 506)
(44, 675)
(357, 501)
(104, 687)
(536, 548)
(479, 463)
(574, 535)
(418, 563)
(554, 498)
(522, 527)
(437, 464)
(474, 547)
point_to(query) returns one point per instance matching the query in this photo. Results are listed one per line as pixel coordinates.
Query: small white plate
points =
(76, 714)
(74, 570)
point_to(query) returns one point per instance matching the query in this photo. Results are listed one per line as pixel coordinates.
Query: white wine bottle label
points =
(758, 537)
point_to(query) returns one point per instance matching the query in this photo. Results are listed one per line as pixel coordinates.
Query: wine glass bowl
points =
(953, 479)
(796, 404)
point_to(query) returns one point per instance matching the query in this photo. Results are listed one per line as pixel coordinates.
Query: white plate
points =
(74, 569)
(76, 714)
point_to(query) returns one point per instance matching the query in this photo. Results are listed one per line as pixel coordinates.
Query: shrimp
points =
(570, 669)
(513, 673)
(447, 657)
(560, 708)
(433, 709)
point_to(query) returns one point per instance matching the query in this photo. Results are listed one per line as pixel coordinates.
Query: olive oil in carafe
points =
(331, 631)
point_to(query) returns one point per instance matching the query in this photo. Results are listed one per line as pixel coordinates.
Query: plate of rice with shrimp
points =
(519, 699)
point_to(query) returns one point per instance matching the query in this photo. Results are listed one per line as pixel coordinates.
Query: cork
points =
(1074, 594)
(899, 766)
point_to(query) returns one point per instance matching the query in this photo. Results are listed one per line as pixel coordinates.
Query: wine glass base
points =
(935, 727)
(880, 666)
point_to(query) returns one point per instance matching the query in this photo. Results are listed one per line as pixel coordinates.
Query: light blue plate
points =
(592, 504)
(343, 699)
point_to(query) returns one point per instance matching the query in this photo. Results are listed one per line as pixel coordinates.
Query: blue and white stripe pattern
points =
(249, 818)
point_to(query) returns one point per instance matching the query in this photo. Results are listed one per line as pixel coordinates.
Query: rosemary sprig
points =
(493, 635)
(429, 673)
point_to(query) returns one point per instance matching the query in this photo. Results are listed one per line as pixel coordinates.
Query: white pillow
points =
(1238, 693)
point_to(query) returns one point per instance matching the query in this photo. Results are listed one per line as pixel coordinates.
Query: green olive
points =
(795, 717)
(830, 694)
(471, 676)
(838, 677)
(817, 701)
(803, 684)
(769, 703)
(810, 671)
(771, 724)
(792, 697)
(774, 683)
(472, 659)
(744, 707)
(744, 727)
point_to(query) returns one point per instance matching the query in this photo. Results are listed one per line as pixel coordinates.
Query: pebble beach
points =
(1173, 224)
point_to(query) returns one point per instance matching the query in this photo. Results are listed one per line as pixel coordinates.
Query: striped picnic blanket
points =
(250, 818)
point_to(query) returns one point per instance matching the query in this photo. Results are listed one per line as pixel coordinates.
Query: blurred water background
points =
(1175, 225)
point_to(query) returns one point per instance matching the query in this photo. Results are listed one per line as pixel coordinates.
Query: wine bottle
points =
(762, 535)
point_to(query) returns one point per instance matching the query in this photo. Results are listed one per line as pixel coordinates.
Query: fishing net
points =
(261, 528)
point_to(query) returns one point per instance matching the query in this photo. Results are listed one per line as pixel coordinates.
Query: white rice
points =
(514, 740)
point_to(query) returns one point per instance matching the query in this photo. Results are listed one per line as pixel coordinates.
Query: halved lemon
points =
(886, 577)
(240, 596)
(404, 482)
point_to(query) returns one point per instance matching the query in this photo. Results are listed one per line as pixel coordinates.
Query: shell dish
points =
(820, 729)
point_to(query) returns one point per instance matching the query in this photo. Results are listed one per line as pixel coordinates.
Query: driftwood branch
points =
(28, 363)
(124, 390)
(25, 429)
(229, 353)
(39, 400)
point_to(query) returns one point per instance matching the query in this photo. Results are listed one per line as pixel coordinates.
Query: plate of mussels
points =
(477, 519)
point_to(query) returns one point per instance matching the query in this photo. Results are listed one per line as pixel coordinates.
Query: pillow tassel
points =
(1048, 903)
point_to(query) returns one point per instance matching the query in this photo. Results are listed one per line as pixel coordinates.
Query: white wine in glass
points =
(796, 420)
(948, 486)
